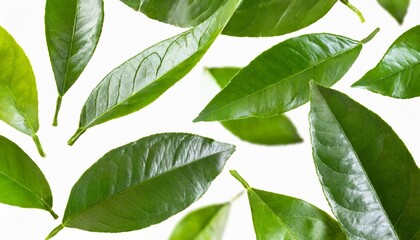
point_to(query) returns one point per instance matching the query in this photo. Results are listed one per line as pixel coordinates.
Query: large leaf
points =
(279, 217)
(207, 223)
(398, 73)
(397, 8)
(142, 79)
(253, 18)
(18, 93)
(22, 183)
(144, 182)
(368, 176)
(72, 29)
(268, 131)
(277, 80)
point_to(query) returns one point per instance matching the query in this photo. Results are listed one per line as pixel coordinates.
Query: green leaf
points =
(274, 130)
(397, 74)
(18, 94)
(73, 28)
(368, 176)
(397, 8)
(207, 223)
(144, 183)
(254, 18)
(22, 183)
(142, 79)
(279, 217)
(277, 80)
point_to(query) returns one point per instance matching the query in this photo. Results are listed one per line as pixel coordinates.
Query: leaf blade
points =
(398, 9)
(362, 162)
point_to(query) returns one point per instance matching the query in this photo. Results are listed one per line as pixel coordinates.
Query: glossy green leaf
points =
(18, 93)
(397, 8)
(368, 176)
(22, 183)
(280, 217)
(268, 131)
(142, 79)
(144, 183)
(398, 73)
(72, 29)
(253, 18)
(207, 223)
(277, 80)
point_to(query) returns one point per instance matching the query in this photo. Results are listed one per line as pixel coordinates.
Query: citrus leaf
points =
(142, 79)
(397, 74)
(274, 130)
(73, 28)
(279, 217)
(277, 80)
(18, 93)
(397, 8)
(368, 176)
(203, 224)
(144, 183)
(22, 183)
(254, 18)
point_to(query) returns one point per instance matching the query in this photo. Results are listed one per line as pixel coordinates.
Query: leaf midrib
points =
(143, 182)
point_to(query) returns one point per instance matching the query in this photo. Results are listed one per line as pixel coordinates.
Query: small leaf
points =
(254, 18)
(398, 73)
(279, 217)
(144, 183)
(142, 79)
(274, 130)
(277, 80)
(397, 8)
(18, 94)
(207, 223)
(72, 29)
(368, 176)
(22, 183)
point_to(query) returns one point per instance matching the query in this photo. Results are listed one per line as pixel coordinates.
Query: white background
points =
(287, 170)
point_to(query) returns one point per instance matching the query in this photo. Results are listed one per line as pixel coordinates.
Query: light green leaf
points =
(398, 73)
(253, 18)
(73, 28)
(22, 183)
(207, 223)
(280, 217)
(397, 8)
(368, 176)
(277, 80)
(274, 130)
(144, 183)
(142, 79)
(18, 93)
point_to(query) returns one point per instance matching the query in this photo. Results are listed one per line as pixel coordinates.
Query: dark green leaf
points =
(397, 8)
(277, 80)
(368, 176)
(279, 217)
(206, 223)
(22, 183)
(142, 79)
(72, 29)
(398, 73)
(144, 182)
(18, 94)
(268, 131)
(253, 18)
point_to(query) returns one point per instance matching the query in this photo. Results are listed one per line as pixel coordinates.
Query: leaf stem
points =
(49, 209)
(354, 9)
(55, 231)
(372, 35)
(57, 110)
(38, 145)
(238, 177)
(76, 136)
